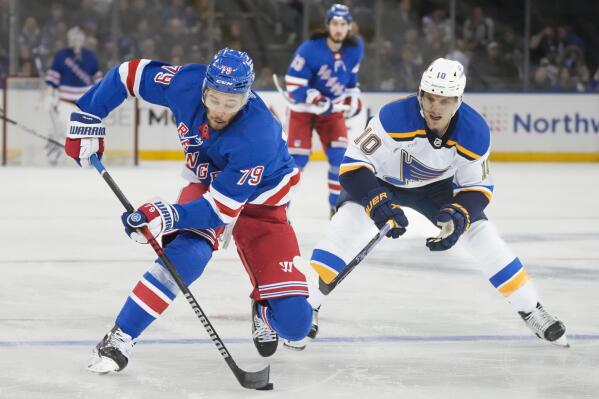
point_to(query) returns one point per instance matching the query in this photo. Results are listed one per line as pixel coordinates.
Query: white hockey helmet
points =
(76, 38)
(444, 78)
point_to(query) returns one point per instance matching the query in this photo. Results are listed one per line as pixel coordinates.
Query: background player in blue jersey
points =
(73, 72)
(239, 171)
(428, 152)
(74, 69)
(323, 73)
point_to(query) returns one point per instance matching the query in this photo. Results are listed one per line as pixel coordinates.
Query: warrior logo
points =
(286, 266)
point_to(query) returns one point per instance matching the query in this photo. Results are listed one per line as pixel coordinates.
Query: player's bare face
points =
(438, 111)
(338, 30)
(221, 107)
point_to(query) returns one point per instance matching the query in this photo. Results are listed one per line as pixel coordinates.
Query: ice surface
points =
(406, 324)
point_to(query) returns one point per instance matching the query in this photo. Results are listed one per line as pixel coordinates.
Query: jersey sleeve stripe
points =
(279, 194)
(348, 167)
(131, 71)
(225, 200)
(408, 135)
(225, 214)
(464, 151)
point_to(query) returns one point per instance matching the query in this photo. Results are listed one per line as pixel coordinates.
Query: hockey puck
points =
(267, 387)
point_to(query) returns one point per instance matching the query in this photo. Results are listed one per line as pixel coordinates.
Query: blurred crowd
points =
(184, 31)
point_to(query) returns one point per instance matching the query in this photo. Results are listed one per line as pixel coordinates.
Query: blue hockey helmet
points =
(230, 71)
(339, 11)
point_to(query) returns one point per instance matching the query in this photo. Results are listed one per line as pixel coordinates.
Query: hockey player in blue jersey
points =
(239, 171)
(428, 152)
(323, 75)
(74, 69)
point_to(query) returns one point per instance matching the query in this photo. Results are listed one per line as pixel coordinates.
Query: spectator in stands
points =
(174, 34)
(461, 54)
(567, 37)
(148, 50)
(479, 30)
(545, 76)
(398, 18)
(177, 9)
(29, 38)
(434, 46)
(544, 45)
(574, 74)
(491, 72)
(408, 72)
(438, 25)
(264, 79)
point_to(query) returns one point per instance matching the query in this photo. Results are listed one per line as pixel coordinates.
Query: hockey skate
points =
(546, 326)
(265, 339)
(301, 344)
(112, 352)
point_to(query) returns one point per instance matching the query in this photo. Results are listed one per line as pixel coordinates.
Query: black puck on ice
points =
(267, 387)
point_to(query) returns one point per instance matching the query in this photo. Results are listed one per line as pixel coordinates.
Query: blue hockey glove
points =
(157, 216)
(453, 220)
(381, 207)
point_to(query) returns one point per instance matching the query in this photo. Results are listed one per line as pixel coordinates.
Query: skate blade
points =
(102, 365)
(561, 341)
(295, 345)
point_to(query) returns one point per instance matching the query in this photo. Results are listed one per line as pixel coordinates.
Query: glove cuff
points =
(463, 211)
(375, 198)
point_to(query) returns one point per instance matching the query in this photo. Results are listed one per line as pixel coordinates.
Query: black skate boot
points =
(112, 352)
(545, 326)
(265, 339)
(301, 344)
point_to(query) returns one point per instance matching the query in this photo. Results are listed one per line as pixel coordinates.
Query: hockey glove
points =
(319, 104)
(453, 220)
(85, 138)
(353, 101)
(157, 216)
(381, 207)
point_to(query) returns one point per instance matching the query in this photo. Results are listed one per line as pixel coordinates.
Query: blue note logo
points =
(413, 170)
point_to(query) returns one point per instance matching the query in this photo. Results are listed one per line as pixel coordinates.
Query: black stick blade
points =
(253, 379)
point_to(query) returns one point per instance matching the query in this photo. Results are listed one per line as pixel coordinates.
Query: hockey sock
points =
(290, 317)
(155, 291)
(335, 156)
(337, 249)
(300, 160)
(504, 270)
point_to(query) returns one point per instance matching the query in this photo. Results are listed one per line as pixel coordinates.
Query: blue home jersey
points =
(73, 74)
(315, 66)
(245, 162)
(398, 148)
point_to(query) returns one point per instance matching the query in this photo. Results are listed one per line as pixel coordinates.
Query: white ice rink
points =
(406, 324)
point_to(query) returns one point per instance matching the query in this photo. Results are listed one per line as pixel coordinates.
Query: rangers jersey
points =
(73, 74)
(398, 148)
(315, 66)
(245, 162)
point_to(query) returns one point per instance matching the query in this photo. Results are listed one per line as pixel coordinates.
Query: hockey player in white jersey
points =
(428, 152)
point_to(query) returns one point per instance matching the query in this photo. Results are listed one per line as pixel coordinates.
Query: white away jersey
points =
(397, 148)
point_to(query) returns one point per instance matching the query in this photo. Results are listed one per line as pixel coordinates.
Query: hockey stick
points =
(251, 380)
(29, 130)
(327, 288)
(302, 107)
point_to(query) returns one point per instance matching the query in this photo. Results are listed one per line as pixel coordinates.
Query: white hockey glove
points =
(321, 105)
(85, 138)
(354, 102)
(159, 217)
